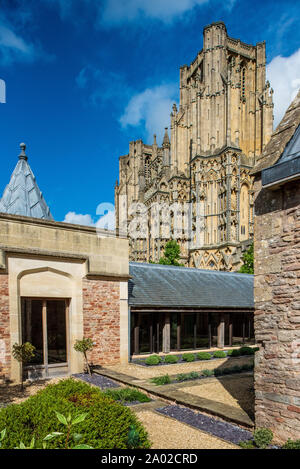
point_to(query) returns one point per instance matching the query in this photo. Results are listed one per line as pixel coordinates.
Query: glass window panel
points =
(202, 330)
(173, 331)
(56, 331)
(32, 328)
(145, 323)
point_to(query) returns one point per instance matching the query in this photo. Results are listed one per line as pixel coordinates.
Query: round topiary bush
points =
(171, 359)
(235, 353)
(291, 444)
(188, 357)
(204, 356)
(153, 360)
(106, 426)
(220, 354)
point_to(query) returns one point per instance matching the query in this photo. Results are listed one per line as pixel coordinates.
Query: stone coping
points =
(172, 393)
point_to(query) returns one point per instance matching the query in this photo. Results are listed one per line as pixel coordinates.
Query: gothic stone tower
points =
(224, 121)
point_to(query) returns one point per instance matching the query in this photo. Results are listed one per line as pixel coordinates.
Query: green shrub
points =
(204, 356)
(247, 444)
(256, 349)
(235, 353)
(208, 372)
(127, 395)
(219, 371)
(246, 351)
(153, 360)
(106, 425)
(171, 359)
(291, 444)
(187, 376)
(160, 380)
(188, 357)
(263, 437)
(219, 354)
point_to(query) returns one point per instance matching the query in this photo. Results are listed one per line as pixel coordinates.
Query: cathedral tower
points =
(224, 121)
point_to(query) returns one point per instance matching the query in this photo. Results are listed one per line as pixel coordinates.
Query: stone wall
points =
(277, 315)
(4, 328)
(101, 319)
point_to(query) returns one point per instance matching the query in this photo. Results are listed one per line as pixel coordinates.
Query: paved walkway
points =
(175, 393)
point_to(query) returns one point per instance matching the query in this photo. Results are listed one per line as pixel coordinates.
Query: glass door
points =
(44, 325)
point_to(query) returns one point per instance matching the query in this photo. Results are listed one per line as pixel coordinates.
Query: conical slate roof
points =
(22, 195)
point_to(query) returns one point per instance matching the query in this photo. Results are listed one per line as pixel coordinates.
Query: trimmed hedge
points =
(106, 426)
(220, 354)
(204, 356)
(188, 357)
(153, 360)
(171, 359)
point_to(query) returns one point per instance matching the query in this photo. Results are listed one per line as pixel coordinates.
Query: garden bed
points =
(195, 375)
(189, 357)
(107, 424)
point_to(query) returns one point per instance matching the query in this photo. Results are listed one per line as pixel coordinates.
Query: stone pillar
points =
(221, 331)
(166, 333)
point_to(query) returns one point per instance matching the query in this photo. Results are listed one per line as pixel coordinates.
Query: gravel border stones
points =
(98, 380)
(218, 428)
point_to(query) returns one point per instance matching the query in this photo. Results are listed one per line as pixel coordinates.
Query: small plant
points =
(249, 444)
(188, 357)
(204, 356)
(133, 437)
(83, 346)
(23, 353)
(219, 354)
(153, 360)
(187, 376)
(208, 372)
(69, 423)
(171, 359)
(246, 351)
(234, 353)
(263, 437)
(291, 444)
(161, 380)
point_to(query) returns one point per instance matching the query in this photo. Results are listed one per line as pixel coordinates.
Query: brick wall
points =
(101, 319)
(4, 328)
(277, 315)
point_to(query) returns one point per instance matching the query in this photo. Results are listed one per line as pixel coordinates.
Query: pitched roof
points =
(22, 195)
(280, 137)
(154, 285)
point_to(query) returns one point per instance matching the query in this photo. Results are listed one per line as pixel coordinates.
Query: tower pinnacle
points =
(22, 155)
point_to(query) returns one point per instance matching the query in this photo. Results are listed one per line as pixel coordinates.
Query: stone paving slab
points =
(174, 394)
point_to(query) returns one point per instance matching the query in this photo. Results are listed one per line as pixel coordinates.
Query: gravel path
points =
(143, 372)
(97, 380)
(165, 433)
(217, 428)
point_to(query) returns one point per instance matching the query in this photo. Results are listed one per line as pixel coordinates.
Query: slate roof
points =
(154, 285)
(280, 137)
(22, 195)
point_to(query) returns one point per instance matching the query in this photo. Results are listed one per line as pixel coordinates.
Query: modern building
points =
(224, 121)
(277, 279)
(60, 282)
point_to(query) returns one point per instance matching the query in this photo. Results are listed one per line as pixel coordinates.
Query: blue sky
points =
(85, 77)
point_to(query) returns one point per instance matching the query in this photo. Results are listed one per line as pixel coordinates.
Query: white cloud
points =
(284, 76)
(106, 221)
(117, 11)
(79, 219)
(152, 108)
(13, 47)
